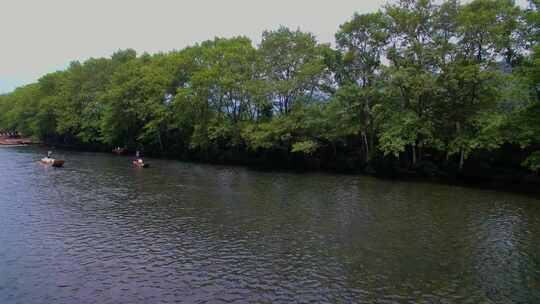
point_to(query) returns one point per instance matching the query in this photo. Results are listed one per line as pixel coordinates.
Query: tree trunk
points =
(364, 137)
(479, 54)
(461, 159)
(414, 155)
(372, 141)
(160, 142)
(461, 151)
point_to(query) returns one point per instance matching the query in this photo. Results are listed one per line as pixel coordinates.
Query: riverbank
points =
(476, 173)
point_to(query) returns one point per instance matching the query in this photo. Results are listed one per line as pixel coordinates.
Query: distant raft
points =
(119, 151)
(57, 163)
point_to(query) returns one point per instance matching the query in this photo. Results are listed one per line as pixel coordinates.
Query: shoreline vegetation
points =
(418, 89)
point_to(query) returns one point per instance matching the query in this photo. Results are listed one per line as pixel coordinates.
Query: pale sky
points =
(42, 36)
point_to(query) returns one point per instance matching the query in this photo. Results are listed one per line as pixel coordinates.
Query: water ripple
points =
(99, 231)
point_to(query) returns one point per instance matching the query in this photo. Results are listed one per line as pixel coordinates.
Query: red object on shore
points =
(4, 141)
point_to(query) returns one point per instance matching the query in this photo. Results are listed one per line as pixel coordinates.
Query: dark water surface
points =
(99, 231)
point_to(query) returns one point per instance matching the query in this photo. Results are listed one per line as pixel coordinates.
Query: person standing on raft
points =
(138, 157)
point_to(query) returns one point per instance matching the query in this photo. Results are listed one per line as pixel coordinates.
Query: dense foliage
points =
(416, 82)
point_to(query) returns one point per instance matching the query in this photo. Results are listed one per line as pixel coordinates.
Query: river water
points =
(100, 231)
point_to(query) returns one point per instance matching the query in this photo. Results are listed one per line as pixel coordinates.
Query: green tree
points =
(293, 66)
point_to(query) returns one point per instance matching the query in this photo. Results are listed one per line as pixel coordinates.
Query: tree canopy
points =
(418, 80)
